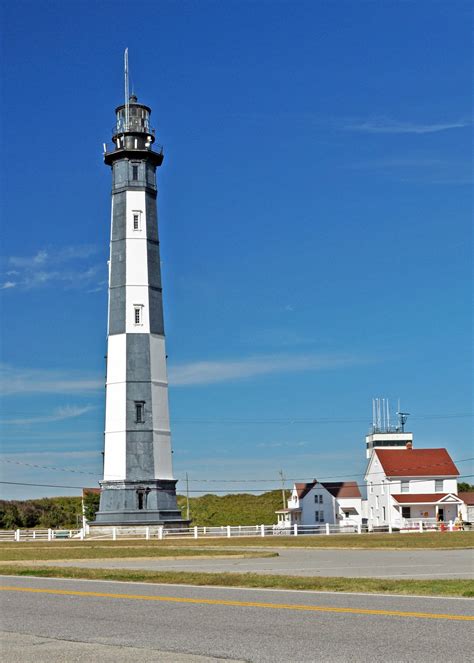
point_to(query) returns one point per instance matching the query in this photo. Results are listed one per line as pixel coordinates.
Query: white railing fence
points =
(225, 531)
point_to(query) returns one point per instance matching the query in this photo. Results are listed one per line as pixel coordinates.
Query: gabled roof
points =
(94, 491)
(341, 489)
(424, 498)
(467, 497)
(416, 462)
(303, 489)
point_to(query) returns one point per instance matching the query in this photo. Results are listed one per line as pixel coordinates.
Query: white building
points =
(316, 503)
(467, 509)
(405, 486)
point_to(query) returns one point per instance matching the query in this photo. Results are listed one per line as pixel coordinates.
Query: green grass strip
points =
(46, 552)
(461, 588)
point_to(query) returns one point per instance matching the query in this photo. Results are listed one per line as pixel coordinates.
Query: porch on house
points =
(288, 517)
(431, 510)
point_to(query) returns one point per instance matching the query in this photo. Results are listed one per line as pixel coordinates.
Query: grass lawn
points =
(90, 549)
(32, 551)
(425, 540)
(462, 588)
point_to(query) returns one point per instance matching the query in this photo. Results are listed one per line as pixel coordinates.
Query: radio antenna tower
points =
(402, 418)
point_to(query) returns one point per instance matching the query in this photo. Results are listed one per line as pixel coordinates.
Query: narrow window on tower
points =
(136, 215)
(139, 412)
(134, 173)
(138, 315)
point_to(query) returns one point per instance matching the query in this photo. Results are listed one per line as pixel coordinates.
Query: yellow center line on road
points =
(239, 604)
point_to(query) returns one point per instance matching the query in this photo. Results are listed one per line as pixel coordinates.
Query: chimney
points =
(409, 445)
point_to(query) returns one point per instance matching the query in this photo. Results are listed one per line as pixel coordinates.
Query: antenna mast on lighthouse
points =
(127, 94)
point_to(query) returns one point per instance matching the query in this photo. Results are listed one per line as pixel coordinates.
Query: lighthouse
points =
(138, 487)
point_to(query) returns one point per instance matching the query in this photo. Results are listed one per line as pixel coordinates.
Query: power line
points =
(332, 476)
(251, 490)
(288, 420)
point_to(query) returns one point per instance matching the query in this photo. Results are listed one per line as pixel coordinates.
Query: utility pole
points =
(187, 497)
(283, 488)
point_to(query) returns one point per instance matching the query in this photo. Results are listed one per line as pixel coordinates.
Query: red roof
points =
(303, 489)
(420, 498)
(94, 491)
(416, 462)
(343, 489)
(467, 497)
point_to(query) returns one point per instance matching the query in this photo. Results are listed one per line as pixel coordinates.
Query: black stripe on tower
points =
(155, 298)
(139, 434)
(118, 263)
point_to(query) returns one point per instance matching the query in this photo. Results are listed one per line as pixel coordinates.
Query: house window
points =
(316, 499)
(406, 512)
(439, 485)
(371, 488)
(135, 173)
(405, 486)
(347, 514)
(384, 513)
(139, 412)
(137, 315)
(319, 516)
(320, 499)
(376, 501)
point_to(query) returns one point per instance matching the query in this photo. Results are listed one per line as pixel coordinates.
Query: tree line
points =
(213, 510)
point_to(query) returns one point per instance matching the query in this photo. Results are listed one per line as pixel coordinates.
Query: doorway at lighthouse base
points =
(151, 502)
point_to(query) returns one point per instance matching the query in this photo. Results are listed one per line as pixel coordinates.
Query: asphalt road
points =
(70, 620)
(421, 564)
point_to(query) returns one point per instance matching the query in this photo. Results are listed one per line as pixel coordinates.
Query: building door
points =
(406, 512)
(441, 514)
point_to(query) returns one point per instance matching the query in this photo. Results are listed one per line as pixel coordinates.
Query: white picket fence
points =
(228, 531)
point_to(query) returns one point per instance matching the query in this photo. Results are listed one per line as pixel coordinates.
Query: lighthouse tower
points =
(138, 485)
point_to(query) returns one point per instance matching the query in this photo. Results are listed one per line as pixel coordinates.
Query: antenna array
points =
(381, 415)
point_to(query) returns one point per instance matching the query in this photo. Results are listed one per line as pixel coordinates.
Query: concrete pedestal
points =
(138, 503)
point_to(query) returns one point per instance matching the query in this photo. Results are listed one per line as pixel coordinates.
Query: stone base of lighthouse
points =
(149, 502)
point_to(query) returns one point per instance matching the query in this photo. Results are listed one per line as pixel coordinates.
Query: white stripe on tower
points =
(136, 264)
(161, 422)
(115, 409)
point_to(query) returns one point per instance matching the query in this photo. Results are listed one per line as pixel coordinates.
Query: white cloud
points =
(36, 381)
(55, 266)
(7, 285)
(60, 414)
(400, 162)
(29, 261)
(280, 445)
(388, 126)
(210, 372)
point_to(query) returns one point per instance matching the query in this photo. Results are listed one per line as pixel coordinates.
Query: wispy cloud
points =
(281, 445)
(53, 266)
(390, 126)
(60, 414)
(399, 162)
(418, 168)
(211, 372)
(34, 381)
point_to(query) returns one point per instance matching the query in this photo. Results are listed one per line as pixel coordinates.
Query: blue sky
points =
(314, 207)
